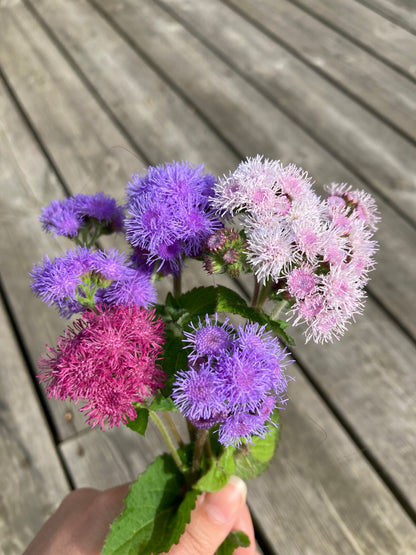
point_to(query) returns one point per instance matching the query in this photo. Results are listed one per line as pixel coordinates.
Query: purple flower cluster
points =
(235, 379)
(318, 253)
(169, 216)
(67, 217)
(83, 277)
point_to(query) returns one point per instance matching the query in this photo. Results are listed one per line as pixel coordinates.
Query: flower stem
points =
(264, 294)
(173, 429)
(199, 446)
(255, 292)
(177, 285)
(167, 439)
(277, 310)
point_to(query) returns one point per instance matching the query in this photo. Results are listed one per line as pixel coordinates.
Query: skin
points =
(82, 521)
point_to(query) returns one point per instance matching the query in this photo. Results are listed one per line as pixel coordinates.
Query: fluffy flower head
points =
(108, 360)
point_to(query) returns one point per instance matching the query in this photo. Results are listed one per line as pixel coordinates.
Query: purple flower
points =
(236, 378)
(133, 288)
(101, 207)
(209, 338)
(196, 394)
(61, 217)
(169, 216)
(67, 217)
(69, 281)
(54, 281)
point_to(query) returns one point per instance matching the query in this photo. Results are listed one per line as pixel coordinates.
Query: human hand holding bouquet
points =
(129, 358)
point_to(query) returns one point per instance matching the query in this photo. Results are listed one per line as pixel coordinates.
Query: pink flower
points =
(108, 360)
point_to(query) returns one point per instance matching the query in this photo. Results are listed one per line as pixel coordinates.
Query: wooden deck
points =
(92, 91)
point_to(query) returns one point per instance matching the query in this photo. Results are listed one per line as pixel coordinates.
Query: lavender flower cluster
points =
(84, 278)
(317, 253)
(235, 379)
(68, 217)
(169, 214)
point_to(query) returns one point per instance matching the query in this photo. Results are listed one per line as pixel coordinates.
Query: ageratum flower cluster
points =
(316, 253)
(169, 214)
(68, 217)
(83, 278)
(235, 379)
(107, 360)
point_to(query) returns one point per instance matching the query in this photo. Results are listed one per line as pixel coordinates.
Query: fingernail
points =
(240, 486)
(222, 505)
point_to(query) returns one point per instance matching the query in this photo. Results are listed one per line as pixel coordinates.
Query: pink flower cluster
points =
(108, 360)
(317, 252)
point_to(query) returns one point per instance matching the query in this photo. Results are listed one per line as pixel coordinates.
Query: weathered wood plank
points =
(402, 12)
(27, 182)
(352, 69)
(154, 117)
(369, 29)
(32, 480)
(228, 101)
(372, 385)
(319, 495)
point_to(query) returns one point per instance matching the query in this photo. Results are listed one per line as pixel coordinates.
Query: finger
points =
(244, 523)
(211, 520)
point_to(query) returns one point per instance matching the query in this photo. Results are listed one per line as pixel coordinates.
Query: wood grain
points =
(298, 54)
(32, 480)
(368, 28)
(402, 12)
(28, 182)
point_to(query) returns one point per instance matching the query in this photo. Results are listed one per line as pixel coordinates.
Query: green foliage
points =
(163, 404)
(156, 512)
(230, 301)
(139, 424)
(252, 459)
(232, 542)
(219, 472)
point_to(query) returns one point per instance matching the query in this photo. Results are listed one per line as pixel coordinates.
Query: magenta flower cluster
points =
(169, 215)
(107, 360)
(317, 253)
(235, 379)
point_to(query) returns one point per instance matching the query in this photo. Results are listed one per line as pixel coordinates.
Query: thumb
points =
(212, 520)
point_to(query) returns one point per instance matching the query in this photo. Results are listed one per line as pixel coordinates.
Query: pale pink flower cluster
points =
(318, 252)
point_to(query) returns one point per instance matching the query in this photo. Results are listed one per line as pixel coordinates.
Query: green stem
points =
(173, 429)
(167, 439)
(255, 292)
(199, 446)
(264, 294)
(192, 431)
(177, 285)
(277, 310)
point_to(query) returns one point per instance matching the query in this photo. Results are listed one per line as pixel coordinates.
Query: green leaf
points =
(139, 424)
(156, 512)
(163, 404)
(278, 327)
(174, 359)
(199, 301)
(252, 459)
(232, 541)
(219, 472)
(230, 301)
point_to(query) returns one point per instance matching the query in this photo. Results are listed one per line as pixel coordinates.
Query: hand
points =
(81, 524)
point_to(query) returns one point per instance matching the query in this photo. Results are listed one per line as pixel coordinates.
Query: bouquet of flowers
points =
(209, 353)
